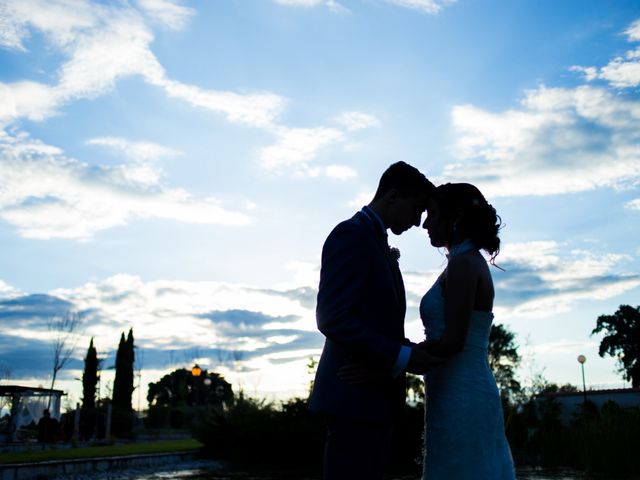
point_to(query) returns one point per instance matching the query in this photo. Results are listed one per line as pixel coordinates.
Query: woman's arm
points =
(459, 298)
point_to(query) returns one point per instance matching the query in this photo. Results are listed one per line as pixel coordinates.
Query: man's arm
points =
(343, 278)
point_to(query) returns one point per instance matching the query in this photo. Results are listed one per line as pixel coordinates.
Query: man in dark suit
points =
(360, 310)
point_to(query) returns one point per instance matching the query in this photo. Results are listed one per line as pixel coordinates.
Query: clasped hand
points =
(420, 362)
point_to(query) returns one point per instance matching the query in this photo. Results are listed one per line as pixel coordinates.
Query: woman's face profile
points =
(434, 225)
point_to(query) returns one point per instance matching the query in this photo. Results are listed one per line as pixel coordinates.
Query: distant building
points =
(571, 401)
(27, 405)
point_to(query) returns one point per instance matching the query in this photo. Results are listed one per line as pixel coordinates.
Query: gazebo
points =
(28, 404)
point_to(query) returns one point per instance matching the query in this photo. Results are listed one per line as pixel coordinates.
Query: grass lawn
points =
(164, 446)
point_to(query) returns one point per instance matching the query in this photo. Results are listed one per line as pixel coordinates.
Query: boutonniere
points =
(395, 253)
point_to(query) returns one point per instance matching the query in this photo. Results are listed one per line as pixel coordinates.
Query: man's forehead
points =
(423, 200)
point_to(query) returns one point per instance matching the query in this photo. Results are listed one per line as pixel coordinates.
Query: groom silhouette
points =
(360, 310)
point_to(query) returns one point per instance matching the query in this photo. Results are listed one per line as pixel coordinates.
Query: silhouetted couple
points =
(360, 381)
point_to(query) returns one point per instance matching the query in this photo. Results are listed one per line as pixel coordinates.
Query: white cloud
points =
(253, 336)
(158, 307)
(257, 109)
(331, 4)
(634, 204)
(60, 20)
(32, 100)
(7, 291)
(140, 151)
(297, 146)
(340, 172)
(543, 279)
(300, 3)
(424, 6)
(11, 33)
(622, 71)
(357, 120)
(46, 195)
(181, 315)
(562, 347)
(589, 73)
(103, 45)
(560, 140)
(633, 32)
(361, 199)
(170, 13)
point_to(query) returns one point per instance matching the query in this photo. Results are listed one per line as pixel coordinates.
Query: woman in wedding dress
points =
(464, 426)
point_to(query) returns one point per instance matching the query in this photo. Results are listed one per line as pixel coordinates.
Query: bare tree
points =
(5, 374)
(65, 338)
(230, 358)
(191, 356)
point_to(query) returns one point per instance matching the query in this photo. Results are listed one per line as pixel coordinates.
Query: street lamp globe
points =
(196, 371)
(581, 360)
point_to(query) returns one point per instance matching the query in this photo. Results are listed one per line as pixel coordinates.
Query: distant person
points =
(360, 310)
(465, 436)
(47, 427)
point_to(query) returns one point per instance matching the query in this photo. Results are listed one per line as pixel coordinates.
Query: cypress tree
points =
(131, 358)
(123, 383)
(90, 378)
(118, 382)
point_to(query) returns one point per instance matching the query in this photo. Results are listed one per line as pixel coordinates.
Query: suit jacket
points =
(360, 310)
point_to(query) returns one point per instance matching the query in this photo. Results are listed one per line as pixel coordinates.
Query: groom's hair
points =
(406, 180)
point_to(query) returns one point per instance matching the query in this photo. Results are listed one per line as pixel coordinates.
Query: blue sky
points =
(174, 166)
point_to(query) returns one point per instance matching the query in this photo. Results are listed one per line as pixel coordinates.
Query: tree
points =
(123, 382)
(414, 389)
(180, 388)
(123, 419)
(90, 378)
(504, 359)
(179, 399)
(622, 340)
(65, 337)
(5, 374)
(551, 387)
(312, 367)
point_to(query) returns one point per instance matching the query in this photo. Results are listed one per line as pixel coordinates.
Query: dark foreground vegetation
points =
(599, 441)
(260, 434)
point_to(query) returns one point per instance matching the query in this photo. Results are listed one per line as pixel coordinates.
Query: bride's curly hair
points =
(479, 219)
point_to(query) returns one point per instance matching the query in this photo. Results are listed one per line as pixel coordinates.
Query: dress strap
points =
(462, 247)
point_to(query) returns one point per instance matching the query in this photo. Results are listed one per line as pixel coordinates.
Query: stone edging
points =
(52, 468)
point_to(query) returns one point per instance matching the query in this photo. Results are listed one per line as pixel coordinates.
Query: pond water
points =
(211, 470)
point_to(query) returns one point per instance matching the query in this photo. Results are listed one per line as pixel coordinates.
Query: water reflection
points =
(212, 470)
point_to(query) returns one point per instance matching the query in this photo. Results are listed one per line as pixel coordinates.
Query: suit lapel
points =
(381, 243)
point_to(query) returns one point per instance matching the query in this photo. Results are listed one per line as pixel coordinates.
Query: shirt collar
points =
(375, 218)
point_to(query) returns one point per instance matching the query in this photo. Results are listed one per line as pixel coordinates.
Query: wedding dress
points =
(464, 426)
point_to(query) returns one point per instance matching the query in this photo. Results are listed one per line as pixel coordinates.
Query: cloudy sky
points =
(174, 166)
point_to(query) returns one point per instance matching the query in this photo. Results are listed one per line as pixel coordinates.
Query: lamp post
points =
(196, 371)
(581, 360)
